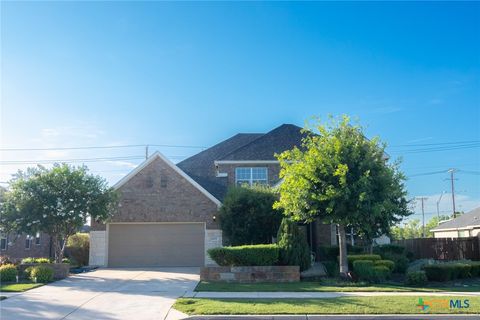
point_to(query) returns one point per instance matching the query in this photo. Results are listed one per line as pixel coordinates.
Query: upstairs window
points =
(251, 176)
(28, 242)
(37, 239)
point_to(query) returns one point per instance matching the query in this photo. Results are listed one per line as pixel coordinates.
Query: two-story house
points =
(167, 212)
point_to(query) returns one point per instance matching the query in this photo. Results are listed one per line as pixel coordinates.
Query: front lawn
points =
(18, 287)
(342, 305)
(305, 286)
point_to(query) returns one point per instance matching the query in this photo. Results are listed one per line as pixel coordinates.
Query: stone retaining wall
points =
(251, 274)
(60, 270)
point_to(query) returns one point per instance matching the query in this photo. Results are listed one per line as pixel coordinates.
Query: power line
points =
(47, 161)
(433, 144)
(103, 147)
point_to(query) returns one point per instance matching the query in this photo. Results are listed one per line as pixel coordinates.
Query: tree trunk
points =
(58, 248)
(342, 245)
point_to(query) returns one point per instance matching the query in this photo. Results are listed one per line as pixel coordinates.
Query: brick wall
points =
(251, 274)
(160, 194)
(16, 249)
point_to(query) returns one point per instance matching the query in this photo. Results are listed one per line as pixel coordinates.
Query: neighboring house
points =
(19, 246)
(466, 225)
(167, 212)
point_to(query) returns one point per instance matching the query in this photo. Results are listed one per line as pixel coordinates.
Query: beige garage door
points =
(152, 245)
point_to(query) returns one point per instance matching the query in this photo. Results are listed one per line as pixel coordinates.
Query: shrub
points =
(461, 271)
(401, 261)
(331, 267)
(380, 273)
(66, 260)
(386, 263)
(294, 250)
(42, 273)
(5, 260)
(363, 269)
(416, 278)
(330, 253)
(8, 272)
(35, 260)
(254, 255)
(355, 257)
(77, 248)
(27, 272)
(438, 272)
(475, 269)
(247, 216)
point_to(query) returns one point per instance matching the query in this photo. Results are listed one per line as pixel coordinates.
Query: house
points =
(466, 225)
(167, 212)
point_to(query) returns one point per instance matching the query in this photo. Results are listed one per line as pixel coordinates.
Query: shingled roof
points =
(465, 221)
(242, 146)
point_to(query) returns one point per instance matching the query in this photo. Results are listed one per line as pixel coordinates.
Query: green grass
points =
(305, 286)
(18, 287)
(343, 305)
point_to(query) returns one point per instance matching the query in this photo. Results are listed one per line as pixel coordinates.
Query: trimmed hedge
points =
(416, 278)
(448, 271)
(386, 263)
(8, 273)
(475, 269)
(251, 255)
(400, 260)
(42, 273)
(381, 273)
(330, 253)
(355, 257)
(35, 260)
(366, 270)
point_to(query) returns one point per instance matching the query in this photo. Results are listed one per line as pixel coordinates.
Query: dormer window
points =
(251, 175)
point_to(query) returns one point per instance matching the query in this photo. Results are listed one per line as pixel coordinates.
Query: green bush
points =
(330, 253)
(247, 216)
(381, 273)
(475, 269)
(253, 255)
(41, 273)
(439, 272)
(27, 272)
(66, 260)
(355, 257)
(416, 278)
(363, 269)
(332, 269)
(401, 261)
(294, 250)
(386, 263)
(461, 271)
(8, 272)
(77, 248)
(35, 260)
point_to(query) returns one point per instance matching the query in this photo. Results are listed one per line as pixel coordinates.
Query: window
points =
(163, 181)
(37, 239)
(3, 243)
(28, 242)
(251, 176)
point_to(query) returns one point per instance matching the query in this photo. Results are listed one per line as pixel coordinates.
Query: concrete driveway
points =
(104, 294)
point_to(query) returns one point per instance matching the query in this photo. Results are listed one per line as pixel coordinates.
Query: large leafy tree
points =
(343, 178)
(55, 201)
(247, 215)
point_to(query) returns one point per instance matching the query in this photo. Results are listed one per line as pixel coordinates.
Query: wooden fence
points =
(443, 248)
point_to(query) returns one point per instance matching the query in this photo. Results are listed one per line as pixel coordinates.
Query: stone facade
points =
(16, 248)
(158, 193)
(213, 239)
(251, 274)
(98, 248)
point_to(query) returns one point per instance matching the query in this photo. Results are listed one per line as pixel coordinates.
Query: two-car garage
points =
(155, 244)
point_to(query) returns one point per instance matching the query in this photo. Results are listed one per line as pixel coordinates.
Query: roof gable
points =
(158, 155)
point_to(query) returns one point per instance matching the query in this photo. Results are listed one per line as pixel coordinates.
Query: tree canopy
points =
(55, 201)
(344, 178)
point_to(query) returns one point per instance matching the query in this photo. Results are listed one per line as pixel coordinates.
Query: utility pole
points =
(453, 191)
(422, 199)
(146, 152)
(438, 206)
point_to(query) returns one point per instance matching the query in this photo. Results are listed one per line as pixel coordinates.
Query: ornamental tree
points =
(55, 201)
(343, 178)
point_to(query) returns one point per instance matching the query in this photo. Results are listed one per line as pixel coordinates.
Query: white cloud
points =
(118, 163)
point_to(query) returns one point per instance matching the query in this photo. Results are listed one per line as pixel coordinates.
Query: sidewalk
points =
(315, 295)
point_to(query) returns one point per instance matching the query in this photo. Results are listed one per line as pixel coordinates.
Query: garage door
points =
(156, 245)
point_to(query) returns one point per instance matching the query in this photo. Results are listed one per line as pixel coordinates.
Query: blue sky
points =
(97, 74)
